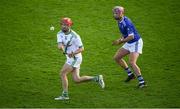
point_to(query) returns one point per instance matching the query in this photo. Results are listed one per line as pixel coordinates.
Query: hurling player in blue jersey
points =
(133, 45)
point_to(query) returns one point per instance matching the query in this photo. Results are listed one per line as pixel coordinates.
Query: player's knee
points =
(116, 58)
(63, 74)
(77, 80)
(61, 71)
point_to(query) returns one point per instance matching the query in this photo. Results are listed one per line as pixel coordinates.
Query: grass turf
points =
(30, 60)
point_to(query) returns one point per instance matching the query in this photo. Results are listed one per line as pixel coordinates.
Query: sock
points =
(96, 78)
(65, 93)
(128, 70)
(141, 80)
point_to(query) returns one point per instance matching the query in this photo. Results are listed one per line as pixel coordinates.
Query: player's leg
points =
(132, 60)
(122, 52)
(78, 79)
(118, 57)
(63, 75)
(76, 65)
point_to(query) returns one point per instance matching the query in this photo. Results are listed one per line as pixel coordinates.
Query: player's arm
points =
(130, 32)
(61, 46)
(116, 42)
(124, 40)
(128, 38)
(79, 50)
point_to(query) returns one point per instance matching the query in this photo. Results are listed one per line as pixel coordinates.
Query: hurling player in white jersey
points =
(70, 44)
(133, 45)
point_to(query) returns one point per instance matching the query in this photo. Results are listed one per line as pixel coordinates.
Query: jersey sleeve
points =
(129, 27)
(77, 39)
(79, 42)
(59, 38)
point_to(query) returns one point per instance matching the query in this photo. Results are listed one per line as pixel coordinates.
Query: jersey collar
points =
(121, 20)
(68, 32)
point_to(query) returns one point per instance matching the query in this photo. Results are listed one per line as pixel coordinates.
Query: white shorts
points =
(74, 62)
(134, 47)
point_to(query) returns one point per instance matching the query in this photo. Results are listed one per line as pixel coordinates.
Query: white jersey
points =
(71, 41)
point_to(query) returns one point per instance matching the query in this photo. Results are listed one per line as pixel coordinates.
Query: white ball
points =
(52, 28)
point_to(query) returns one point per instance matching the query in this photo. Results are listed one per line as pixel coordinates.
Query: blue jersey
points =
(127, 28)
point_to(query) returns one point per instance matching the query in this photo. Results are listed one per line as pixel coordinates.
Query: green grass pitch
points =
(30, 61)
